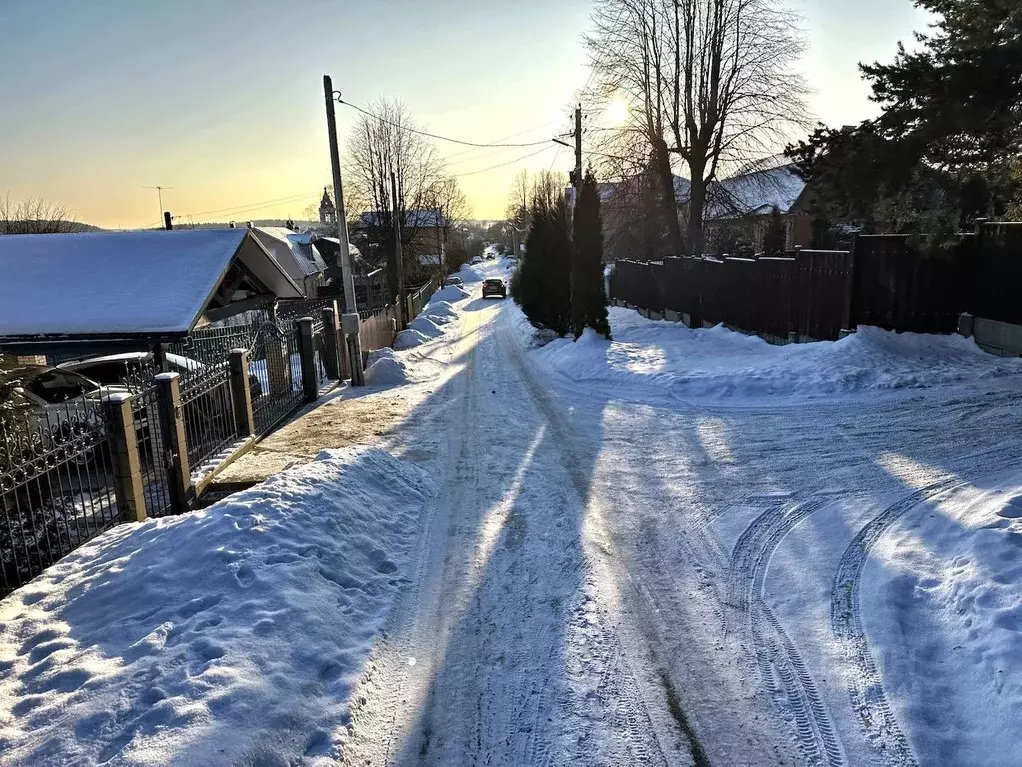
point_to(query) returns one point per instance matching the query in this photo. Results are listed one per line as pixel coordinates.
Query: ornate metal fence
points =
(56, 486)
(275, 363)
(207, 407)
(153, 460)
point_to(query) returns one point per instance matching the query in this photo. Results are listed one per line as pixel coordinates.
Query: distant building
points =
(327, 211)
(296, 254)
(736, 215)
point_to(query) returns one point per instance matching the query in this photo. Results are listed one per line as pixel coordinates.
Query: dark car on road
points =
(494, 287)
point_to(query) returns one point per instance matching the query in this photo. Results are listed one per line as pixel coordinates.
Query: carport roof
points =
(151, 283)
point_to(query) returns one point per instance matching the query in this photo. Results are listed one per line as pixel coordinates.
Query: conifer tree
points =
(588, 295)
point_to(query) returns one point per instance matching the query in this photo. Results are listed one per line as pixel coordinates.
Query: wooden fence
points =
(812, 294)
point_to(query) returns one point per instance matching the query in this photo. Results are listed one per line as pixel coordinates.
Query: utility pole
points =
(350, 325)
(347, 276)
(578, 152)
(398, 253)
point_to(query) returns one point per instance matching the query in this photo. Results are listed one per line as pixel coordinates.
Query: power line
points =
(253, 206)
(434, 135)
(509, 162)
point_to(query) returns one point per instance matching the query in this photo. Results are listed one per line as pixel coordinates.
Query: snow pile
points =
(424, 325)
(440, 312)
(469, 273)
(409, 338)
(719, 363)
(943, 593)
(232, 635)
(386, 369)
(450, 294)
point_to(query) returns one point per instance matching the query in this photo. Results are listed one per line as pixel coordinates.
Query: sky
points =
(223, 101)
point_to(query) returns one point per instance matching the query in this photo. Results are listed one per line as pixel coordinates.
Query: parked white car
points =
(452, 281)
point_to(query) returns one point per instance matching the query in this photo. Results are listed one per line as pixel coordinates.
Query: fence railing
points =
(77, 468)
(811, 295)
(57, 487)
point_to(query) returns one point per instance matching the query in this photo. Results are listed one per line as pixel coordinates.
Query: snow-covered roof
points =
(294, 250)
(774, 185)
(422, 219)
(137, 283)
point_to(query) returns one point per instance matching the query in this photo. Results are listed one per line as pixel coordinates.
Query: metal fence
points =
(211, 345)
(207, 408)
(152, 457)
(56, 486)
(63, 481)
(275, 362)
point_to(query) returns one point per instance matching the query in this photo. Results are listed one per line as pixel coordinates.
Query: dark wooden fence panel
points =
(998, 254)
(823, 293)
(778, 295)
(897, 286)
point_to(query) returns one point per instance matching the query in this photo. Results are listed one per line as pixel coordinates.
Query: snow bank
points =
(451, 294)
(385, 368)
(441, 312)
(469, 274)
(232, 635)
(942, 593)
(719, 363)
(409, 338)
(426, 327)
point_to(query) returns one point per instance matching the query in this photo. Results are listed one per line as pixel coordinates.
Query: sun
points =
(617, 112)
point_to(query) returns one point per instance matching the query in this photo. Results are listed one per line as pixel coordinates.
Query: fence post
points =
(307, 354)
(332, 357)
(241, 392)
(174, 442)
(127, 463)
(848, 319)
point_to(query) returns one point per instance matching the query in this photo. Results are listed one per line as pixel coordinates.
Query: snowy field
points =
(682, 545)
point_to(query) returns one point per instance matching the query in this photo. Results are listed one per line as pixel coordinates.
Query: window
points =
(55, 386)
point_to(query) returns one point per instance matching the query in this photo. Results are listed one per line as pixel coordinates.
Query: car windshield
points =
(53, 386)
(494, 282)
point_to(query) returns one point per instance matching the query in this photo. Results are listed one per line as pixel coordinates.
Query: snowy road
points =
(616, 575)
(504, 649)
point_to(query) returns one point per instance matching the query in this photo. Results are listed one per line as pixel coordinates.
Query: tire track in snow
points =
(869, 699)
(635, 738)
(784, 672)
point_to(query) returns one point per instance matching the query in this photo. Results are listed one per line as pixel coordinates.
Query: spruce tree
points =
(775, 237)
(542, 283)
(588, 295)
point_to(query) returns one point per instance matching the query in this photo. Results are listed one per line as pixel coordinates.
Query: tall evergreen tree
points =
(775, 237)
(542, 283)
(588, 296)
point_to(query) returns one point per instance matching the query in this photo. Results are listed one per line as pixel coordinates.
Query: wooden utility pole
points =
(347, 276)
(398, 253)
(578, 152)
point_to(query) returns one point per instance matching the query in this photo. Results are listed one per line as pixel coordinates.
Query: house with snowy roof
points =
(296, 254)
(740, 207)
(102, 292)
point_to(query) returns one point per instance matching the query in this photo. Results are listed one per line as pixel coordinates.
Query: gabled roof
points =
(152, 283)
(301, 259)
(768, 184)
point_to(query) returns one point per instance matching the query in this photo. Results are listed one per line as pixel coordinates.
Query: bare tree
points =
(385, 143)
(34, 215)
(711, 82)
(518, 195)
(547, 187)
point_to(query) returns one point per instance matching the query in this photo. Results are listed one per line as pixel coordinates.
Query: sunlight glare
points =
(617, 112)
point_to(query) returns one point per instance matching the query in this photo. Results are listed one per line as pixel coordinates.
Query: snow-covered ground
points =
(676, 546)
